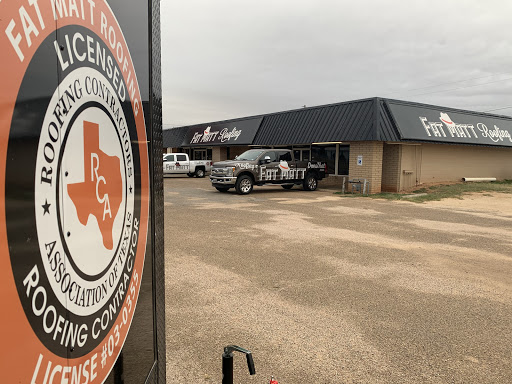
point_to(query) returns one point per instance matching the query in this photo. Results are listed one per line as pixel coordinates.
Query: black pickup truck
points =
(266, 166)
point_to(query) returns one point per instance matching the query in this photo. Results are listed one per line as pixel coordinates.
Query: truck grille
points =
(219, 171)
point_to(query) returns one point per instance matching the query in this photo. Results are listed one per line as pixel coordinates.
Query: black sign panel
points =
(438, 125)
(77, 223)
(240, 132)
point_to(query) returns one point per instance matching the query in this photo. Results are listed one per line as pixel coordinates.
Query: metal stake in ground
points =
(227, 363)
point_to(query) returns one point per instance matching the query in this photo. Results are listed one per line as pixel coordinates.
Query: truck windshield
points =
(251, 154)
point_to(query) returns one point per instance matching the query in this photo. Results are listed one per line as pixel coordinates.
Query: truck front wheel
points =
(199, 172)
(310, 182)
(244, 185)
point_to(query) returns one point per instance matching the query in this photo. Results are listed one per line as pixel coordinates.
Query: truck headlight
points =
(230, 171)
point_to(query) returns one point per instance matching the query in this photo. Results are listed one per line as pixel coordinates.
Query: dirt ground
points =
(489, 203)
(327, 289)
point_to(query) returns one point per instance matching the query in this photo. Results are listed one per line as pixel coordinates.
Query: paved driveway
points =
(326, 289)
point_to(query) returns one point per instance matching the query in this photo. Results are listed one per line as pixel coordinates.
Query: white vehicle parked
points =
(179, 163)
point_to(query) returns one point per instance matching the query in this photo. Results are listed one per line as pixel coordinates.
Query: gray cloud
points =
(226, 58)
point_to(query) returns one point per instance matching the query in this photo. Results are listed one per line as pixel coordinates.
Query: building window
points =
(325, 154)
(203, 154)
(343, 160)
(303, 154)
(199, 154)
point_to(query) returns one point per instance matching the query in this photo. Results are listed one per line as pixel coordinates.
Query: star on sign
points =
(46, 207)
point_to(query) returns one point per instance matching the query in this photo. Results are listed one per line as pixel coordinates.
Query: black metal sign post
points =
(227, 362)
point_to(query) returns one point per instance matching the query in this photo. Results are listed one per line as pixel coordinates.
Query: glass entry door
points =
(200, 154)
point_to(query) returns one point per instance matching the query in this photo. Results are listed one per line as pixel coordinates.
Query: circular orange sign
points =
(74, 167)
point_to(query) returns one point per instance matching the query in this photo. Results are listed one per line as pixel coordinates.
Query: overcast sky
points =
(223, 59)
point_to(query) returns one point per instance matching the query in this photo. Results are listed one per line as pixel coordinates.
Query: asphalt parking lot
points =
(327, 289)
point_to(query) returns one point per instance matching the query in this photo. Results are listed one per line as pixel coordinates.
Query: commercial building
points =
(393, 144)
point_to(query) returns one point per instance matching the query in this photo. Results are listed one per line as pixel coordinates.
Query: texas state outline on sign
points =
(101, 192)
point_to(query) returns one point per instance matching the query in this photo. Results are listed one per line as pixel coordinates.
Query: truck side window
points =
(169, 158)
(285, 156)
(181, 158)
(271, 154)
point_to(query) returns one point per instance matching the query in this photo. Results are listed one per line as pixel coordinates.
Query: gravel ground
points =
(329, 289)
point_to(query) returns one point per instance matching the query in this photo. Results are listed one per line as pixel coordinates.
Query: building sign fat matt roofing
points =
(239, 132)
(438, 125)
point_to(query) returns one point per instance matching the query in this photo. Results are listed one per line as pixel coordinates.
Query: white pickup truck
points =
(179, 163)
